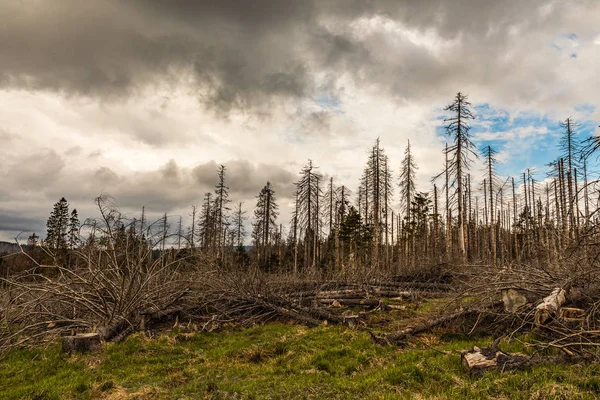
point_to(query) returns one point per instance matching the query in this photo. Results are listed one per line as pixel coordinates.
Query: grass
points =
(280, 361)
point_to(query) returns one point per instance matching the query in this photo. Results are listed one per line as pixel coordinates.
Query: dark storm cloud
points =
(248, 54)
(246, 179)
(235, 51)
(18, 223)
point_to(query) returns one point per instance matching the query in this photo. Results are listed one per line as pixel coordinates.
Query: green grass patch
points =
(281, 361)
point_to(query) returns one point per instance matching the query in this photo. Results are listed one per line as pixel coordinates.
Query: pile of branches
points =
(117, 283)
(558, 303)
(115, 298)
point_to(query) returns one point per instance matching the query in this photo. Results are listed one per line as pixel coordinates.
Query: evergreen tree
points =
(265, 226)
(32, 240)
(221, 217)
(74, 229)
(239, 216)
(355, 237)
(408, 170)
(57, 226)
(206, 223)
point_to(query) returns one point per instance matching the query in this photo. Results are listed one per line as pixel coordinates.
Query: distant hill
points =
(8, 248)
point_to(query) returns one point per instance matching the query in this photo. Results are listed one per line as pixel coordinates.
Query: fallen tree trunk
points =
(549, 305)
(478, 360)
(360, 294)
(108, 332)
(400, 337)
(351, 302)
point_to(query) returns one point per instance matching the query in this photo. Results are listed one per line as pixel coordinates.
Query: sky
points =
(143, 100)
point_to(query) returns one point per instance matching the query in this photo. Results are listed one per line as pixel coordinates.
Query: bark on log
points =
(351, 302)
(108, 332)
(361, 294)
(549, 306)
(478, 360)
(81, 343)
(400, 337)
(475, 359)
(571, 314)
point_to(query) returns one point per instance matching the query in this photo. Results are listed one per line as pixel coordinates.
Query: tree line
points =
(496, 221)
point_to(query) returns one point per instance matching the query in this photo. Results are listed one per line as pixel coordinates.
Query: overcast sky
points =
(143, 100)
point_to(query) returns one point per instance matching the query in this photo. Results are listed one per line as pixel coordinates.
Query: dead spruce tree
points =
(308, 213)
(239, 234)
(408, 170)
(457, 127)
(342, 208)
(265, 225)
(570, 148)
(206, 224)
(489, 157)
(374, 193)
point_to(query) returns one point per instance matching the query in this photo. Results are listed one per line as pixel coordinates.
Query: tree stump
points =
(81, 343)
(478, 360)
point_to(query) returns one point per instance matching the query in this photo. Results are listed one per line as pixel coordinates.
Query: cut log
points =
(351, 302)
(571, 314)
(399, 338)
(81, 343)
(108, 332)
(361, 294)
(478, 360)
(513, 300)
(549, 306)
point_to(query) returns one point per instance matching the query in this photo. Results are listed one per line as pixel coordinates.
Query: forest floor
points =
(284, 360)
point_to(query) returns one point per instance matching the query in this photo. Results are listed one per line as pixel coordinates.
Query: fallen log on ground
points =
(399, 338)
(550, 305)
(571, 314)
(351, 302)
(392, 285)
(480, 359)
(361, 293)
(109, 332)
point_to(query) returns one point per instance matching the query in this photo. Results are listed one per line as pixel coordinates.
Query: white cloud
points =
(109, 110)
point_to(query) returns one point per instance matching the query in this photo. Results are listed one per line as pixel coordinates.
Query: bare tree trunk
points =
(515, 239)
(376, 198)
(448, 217)
(576, 201)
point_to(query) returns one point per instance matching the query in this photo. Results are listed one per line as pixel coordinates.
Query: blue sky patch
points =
(524, 139)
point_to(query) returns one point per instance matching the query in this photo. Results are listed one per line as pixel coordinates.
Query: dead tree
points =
(457, 127)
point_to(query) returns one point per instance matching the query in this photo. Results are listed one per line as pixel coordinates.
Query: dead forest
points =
(510, 255)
